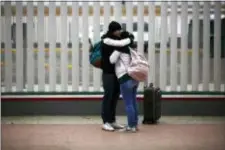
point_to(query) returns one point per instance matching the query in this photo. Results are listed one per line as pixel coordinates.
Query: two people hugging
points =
(116, 57)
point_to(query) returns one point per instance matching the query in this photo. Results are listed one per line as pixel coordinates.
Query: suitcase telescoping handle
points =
(151, 85)
(158, 89)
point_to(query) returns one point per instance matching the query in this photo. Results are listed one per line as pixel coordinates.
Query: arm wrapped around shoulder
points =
(126, 34)
(117, 43)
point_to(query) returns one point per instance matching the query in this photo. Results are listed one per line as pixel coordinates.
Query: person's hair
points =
(126, 34)
(114, 26)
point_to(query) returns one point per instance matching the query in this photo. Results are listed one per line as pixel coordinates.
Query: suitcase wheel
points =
(149, 122)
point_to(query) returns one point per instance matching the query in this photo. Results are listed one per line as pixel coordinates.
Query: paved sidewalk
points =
(97, 120)
(84, 133)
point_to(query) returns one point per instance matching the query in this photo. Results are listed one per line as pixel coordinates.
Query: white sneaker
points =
(107, 127)
(116, 125)
(129, 129)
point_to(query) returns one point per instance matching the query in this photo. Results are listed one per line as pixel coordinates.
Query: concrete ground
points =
(84, 133)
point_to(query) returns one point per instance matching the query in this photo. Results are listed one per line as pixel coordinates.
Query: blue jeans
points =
(129, 93)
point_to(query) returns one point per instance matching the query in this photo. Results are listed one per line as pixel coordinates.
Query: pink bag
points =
(139, 67)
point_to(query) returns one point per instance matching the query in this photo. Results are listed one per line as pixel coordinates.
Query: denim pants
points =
(111, 96)
(129, 93)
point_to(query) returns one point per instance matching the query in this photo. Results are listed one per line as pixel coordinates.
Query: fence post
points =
(173, 48)
(140, 29)
(129, 15)
(106, 15)
(64, 47)
(206, 46)
(8, 48)
(117, 11)
(151, 42)
(217, 47)
(96, 21)
(184, 50)
(163, 46)
(195, 47)
(52, 46)
(19, 48)
(41, 48)
(75, 47)
(85, 47)
(30, 52)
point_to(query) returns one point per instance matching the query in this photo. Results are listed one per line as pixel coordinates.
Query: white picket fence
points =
(173, 68)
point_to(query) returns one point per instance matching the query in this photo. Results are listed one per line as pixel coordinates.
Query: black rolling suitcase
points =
(152, 105)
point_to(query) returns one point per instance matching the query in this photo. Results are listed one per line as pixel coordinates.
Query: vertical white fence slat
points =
(106, 15)
(140, 28)
(117, 11)
(151, 42)
(19, 47)
(96, 24)
(8, 48)
(30, 52)
(41, 48)
(206, 46)
(195, 47)
(129, 15)
(75, 47)
(217, 46)
(52, 46)
(64, 47)
(58, 24)
(46, 40)
(85, 47)
(184, 48)
(163, 46)
(173, 48)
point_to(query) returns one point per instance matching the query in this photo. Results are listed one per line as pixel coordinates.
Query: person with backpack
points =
(128, 85)
(111, 84)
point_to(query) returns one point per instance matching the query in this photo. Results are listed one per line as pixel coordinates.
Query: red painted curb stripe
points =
(99, 99)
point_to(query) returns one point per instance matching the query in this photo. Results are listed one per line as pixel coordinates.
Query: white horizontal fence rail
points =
(46, 47)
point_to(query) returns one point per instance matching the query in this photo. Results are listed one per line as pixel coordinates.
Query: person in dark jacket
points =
(111, 85)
